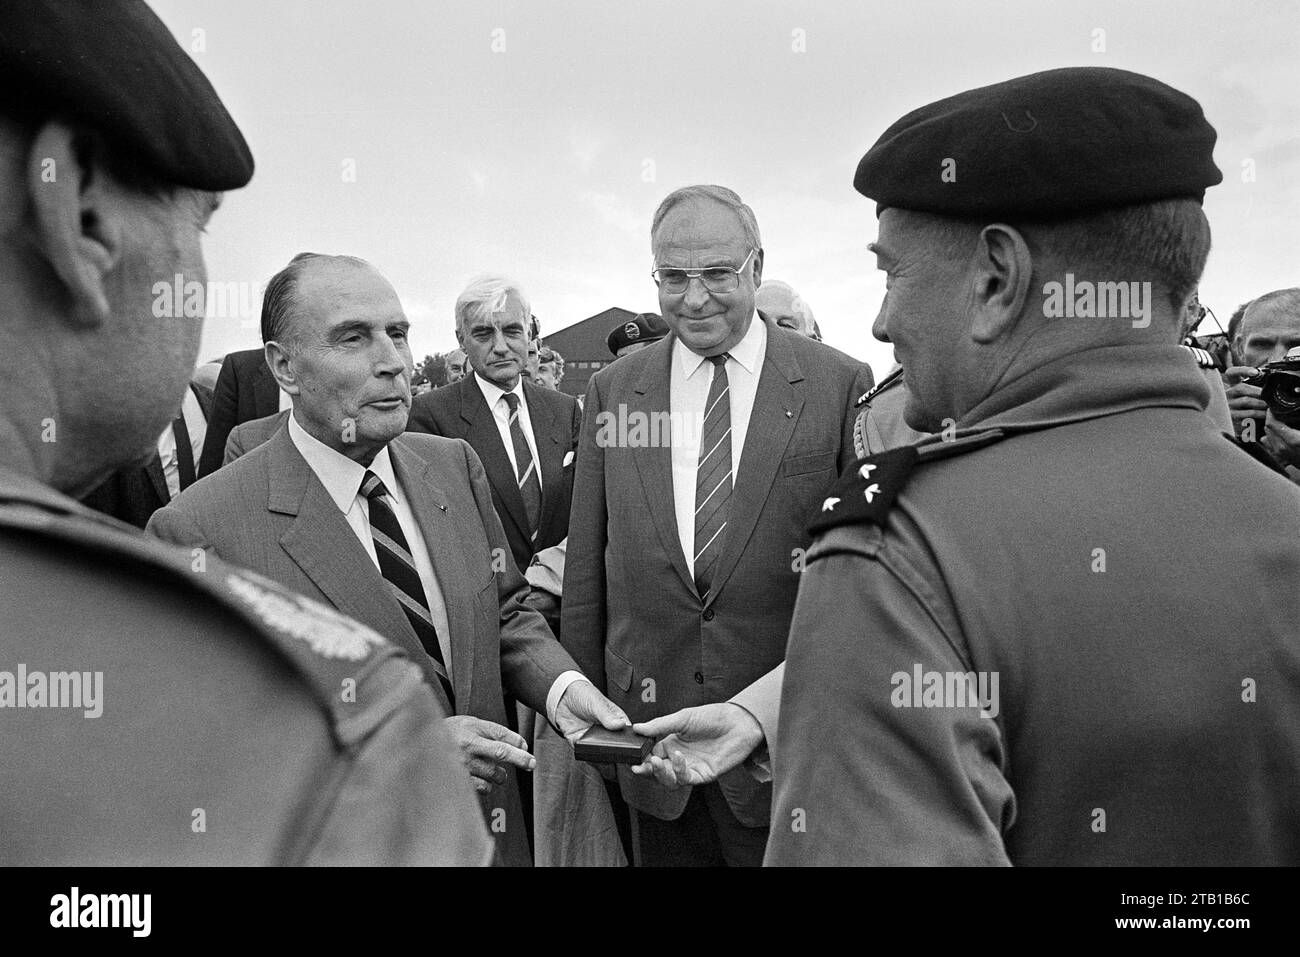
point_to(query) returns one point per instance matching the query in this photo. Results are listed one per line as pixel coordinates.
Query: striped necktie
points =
(713, 477)
(398, 569)
(530, 486)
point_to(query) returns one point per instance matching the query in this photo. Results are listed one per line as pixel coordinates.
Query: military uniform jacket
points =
(1146, 647)
(162, 707)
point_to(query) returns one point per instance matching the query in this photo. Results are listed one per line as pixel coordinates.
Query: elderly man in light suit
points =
(684, 549)
(397, 531)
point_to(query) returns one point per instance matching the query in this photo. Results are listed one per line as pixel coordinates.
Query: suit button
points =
(699, 678)
(708, 614)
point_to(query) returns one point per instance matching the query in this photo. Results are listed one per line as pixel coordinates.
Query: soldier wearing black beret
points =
(643, 329)
(159, 706)
(1006, 648)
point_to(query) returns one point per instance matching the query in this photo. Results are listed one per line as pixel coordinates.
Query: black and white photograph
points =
(577, 434)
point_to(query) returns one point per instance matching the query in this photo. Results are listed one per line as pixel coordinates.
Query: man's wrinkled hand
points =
(699, 744)
(1282, 441)
(488, 750)
(1244, 401)
(581, 706)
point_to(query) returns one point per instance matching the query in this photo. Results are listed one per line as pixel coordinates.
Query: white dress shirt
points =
(689, 379)
(494, 396)
(286, 400)
(197, 427)
(342, 480)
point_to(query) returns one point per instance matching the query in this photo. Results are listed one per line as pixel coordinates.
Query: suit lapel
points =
(778, 404)
(482, 434)
(419, 481)
(323, 545)
(654, 461)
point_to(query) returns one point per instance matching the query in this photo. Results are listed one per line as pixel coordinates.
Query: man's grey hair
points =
(718, 194)
(280, 301)
(1287, 297)
(486, 296)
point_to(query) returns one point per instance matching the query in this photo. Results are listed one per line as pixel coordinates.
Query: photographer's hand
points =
(1282, 441)
(1244, 402)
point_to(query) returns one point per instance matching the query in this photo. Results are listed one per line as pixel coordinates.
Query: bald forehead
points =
(775, 296)
(1281, 314)
(343, 278)
(698, 224)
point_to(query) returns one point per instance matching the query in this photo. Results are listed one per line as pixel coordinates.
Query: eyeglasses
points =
(715, 278)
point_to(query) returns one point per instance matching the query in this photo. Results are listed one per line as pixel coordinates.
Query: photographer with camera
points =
(1265, 332)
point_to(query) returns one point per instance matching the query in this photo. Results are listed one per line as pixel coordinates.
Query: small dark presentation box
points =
(612, 747)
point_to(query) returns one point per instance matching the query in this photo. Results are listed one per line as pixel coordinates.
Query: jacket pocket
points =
(618, 671)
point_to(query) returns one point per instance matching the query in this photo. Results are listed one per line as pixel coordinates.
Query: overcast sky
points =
(442, 139)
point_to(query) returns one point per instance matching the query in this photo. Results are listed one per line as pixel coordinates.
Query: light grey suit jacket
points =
(249, 435)
(269, 512)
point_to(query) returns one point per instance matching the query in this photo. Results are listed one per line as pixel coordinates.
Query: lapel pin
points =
(789, 414)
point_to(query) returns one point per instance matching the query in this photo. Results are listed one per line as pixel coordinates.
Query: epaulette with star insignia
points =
(866, 490)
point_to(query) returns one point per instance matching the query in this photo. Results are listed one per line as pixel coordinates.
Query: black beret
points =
(114, 66)
(643, 327)
(1047, 145)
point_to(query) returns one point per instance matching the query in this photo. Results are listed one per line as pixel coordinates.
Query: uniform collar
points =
(339, 474)
(746, 351)
(1086, 385)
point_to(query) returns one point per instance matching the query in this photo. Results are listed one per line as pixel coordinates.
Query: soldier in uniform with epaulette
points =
(1020, 641)
(158, 706)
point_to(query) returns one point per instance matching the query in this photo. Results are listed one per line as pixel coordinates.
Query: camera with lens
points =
(1279, 383)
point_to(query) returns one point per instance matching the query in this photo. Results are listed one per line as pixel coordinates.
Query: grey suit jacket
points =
(249, 435)
(267, 511)
(631, 613)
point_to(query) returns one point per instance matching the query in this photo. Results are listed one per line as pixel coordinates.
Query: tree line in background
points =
(431, 369)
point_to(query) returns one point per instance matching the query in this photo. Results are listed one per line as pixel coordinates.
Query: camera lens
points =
(1286, 393)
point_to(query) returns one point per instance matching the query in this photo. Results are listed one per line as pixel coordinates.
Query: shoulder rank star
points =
(866, 490)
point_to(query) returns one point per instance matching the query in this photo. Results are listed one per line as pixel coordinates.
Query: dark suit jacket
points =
(133, 494)
(267, 511)
(459, 411)
(631, 614)
(245, 390)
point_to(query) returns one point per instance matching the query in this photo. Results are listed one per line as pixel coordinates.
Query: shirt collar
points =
(492, 392)
(744, 352)
(339, 474)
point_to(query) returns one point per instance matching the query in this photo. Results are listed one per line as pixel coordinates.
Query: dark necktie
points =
(398, 569)
(713, 477)
(530, 486)
(184, 453)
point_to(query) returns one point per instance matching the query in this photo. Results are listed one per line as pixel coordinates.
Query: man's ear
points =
(79, 228)
(1003, 268)
(758, 269)
(277, 359)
